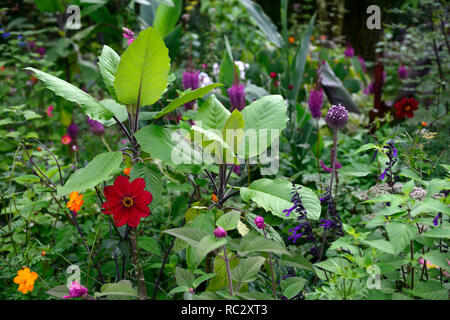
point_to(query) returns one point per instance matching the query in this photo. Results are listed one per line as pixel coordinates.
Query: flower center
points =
(407, 108)
(127, 202)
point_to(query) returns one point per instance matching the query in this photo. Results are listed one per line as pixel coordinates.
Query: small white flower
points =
(204, 79)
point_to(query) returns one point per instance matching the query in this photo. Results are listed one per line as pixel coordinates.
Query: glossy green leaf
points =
(141, 76)
(263, 22)
(187, 97)
(97, 171)
(89, 105)
(166, 17)
(107, 63)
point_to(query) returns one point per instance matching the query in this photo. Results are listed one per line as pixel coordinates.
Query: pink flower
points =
(49, 111)
(259, 221)
(76, 291)
(220, 232)
(128, 34)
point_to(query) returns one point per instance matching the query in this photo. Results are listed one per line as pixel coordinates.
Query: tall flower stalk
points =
(336, 119)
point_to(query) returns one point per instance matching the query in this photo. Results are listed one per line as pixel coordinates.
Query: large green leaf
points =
(292, 286)
(184, 277)
(190, 96)
(275, 196)
(247, 270)
(229, 221)
(208, 244)
(212, 114)
(400, 235)
(108, 62)
(219, 281)
(298, 66)
(97, 171)
(263, 22)
(233, 130)
(335, 90)
(438, 232)
(89, 105)
(430, 205)
(119, 110)
(166, 17)
(261, 117)
(191, 236)
(141, 76)
(382, 245)
(253, 242)
(297, 261)
(153, 180)
(168, 145)
(121, 288)
(228, 70)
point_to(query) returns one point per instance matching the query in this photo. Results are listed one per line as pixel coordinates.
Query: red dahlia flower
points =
(406, 107)
(127, 202)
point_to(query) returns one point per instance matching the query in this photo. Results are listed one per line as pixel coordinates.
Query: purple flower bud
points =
(402, 72)
(349, 51)
(76, 291)
(259, 221)
(237, 96)
(436, 219)
(96, 127)
(336, 117)
(220, 232)
(72, 130)
(315, 103)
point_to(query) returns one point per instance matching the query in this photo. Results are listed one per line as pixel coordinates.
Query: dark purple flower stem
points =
(333, 168)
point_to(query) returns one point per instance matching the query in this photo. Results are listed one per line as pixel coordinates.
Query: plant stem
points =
(317, 151)
(227, 263)
(135, 259)
(271, 271)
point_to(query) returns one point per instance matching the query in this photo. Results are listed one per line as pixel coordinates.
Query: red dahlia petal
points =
(110, 193)
(410, 114)
(137, 186)
(141, 210)
(145, 197)
(122, 186)
(121, 216)
(133, 221)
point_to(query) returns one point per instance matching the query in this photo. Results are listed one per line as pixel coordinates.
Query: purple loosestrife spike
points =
(191, 80)
(76, 291)
(220, 232)
(337, 117)
(315, 103)
(259, 221)
(72, 130)
(96, 127)
(237, 96)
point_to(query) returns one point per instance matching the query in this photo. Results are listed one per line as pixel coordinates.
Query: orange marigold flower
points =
(25, 279)
(291, 39)
(75, 201)
(312, 38)
(127, 171)
(43, 253)
(214, 198)
(39, 149)
(423, 123)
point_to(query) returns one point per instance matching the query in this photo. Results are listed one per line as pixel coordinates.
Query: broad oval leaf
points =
(97, 171)
(141, 76)
(107, 63)
(62, 88)
(275, 196)
(190, 96)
